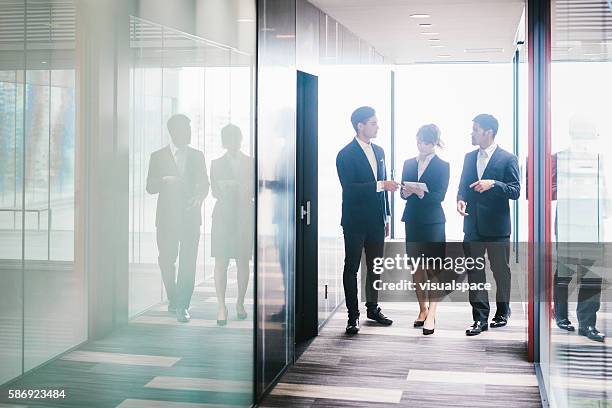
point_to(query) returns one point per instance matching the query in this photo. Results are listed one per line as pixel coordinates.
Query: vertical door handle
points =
(305, 212)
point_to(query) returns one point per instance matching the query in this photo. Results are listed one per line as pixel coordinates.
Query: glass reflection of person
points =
(424, 217)
(177, 173)
(231, 178)
(578, 186)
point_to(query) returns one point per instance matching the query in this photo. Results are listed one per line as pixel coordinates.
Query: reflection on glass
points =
(577, 372)
(42, 306)
(177, 174)
(11, 188)
(231, 177)
(102, 113)
(190, 120)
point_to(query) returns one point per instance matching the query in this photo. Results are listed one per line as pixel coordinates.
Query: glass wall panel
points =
(178, 76)
(146, 136)
(109, 123)
(43, 295)
(338, 98)
(276, 84)
(577, 367)
(54, 312)
(11, 229)
(444, 94)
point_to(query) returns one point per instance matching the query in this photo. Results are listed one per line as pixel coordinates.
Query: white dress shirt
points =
(422, 163)
(484, 155)
(369, 152)
(179, 158)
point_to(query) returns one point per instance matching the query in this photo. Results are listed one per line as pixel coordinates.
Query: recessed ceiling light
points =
(437, 46)
(425, 24)
(430, 33)
(245, 20)
(433, 39)
(284, 36)
(43, 62)
(418, 15)
(444, 56)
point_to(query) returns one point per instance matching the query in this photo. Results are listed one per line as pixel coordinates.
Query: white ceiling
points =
(468, 30)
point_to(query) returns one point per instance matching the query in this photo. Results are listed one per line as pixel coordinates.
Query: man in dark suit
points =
(178, 174)
(489, 179)
(365, 208)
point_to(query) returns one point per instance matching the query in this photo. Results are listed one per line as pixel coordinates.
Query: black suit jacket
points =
(489, 212)
(362, 206)
(427, 210)
(173, 203)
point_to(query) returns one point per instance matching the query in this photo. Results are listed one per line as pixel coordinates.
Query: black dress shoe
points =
(499, 321)
(182, 315)
(419, 323)
(279, 317)
(592, 333)
(352, 327)
(477, 328)
(379, 317)
(565, 324)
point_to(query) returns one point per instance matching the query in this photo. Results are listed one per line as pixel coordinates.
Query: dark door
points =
(306, 304)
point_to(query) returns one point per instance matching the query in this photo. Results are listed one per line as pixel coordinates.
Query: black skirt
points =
(426, 239)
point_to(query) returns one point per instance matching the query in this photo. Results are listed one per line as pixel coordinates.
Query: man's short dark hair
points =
(487, 122)
(230, 134)
(361, 115)
(175, 120)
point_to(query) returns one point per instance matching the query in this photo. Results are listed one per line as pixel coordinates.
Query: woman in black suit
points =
(424, 217)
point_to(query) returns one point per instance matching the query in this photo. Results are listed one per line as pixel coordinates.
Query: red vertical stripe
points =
(547, 307)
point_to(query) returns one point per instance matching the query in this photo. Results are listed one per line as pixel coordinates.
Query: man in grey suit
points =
(177, 173)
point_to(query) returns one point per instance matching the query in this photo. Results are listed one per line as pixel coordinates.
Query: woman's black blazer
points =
(427, 210)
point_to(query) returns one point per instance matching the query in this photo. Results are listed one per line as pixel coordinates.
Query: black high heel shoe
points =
(241, 314)
(224, 321)
(419, 323)
(427, 332)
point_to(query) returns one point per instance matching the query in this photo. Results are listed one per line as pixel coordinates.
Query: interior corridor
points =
(397, 366)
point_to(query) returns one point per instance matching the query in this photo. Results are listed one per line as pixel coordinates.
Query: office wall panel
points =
(276, 189)
(80, 116)
(11, 218)
(577, 195)
(307, 37)
(43, 308)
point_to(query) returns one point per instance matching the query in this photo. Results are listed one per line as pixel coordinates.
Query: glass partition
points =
(43, 308)
(127, 179)
(11, 218)
(446, 95)
(577, 367)
(209, 86)
(338, 98)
